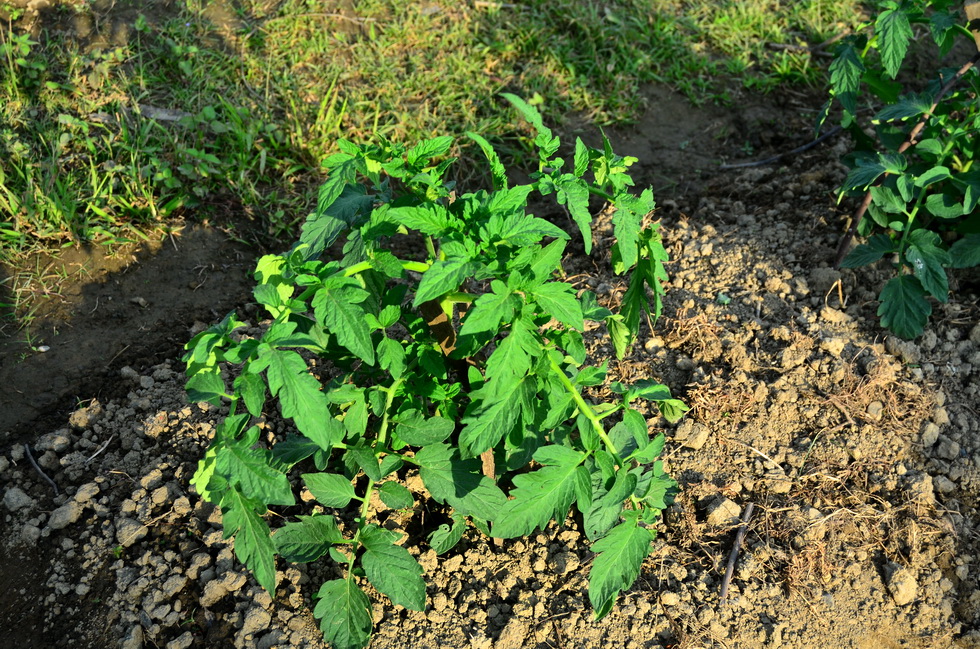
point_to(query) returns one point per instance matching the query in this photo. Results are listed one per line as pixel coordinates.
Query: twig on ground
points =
(776, 158)
(845, 244)
(733, 557)
(101, 448)
(27, 449)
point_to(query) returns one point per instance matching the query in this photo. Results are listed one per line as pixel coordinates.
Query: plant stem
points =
(417, 266)
(585, 408)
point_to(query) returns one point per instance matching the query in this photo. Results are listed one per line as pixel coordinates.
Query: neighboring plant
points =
(443, 341)
(921, 188)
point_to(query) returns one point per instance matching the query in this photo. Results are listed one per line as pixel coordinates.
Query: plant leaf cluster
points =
(924, 189)
(451, 339)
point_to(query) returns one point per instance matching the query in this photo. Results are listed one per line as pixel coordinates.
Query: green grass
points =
(254, 101)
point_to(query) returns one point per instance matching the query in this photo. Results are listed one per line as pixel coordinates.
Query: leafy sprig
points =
(445, 341)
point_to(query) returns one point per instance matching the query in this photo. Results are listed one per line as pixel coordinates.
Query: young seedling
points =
(443, 341)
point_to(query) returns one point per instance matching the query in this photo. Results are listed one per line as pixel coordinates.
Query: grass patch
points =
(112, 123)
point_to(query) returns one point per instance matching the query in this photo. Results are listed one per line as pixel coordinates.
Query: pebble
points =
(181, 642)
(87, 492)
(214, 591)
(129, 531)
(57, 442)
(257, 619)
(944, 484)
(670, 599)
(947, 448)
(692, 435)
(65, 515)
(930, 434)
(901, 584)
(721, 510)
(15, 498)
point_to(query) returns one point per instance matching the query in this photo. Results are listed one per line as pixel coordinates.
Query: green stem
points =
(417, 266)
(585, 408)
(598, 192)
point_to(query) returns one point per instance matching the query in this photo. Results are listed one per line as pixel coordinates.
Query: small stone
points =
(513, 635)
(86, 492)
(721, 510)
(183, 641)
(922, 491)
(257, 619)
(129, 531)
(944, 484)
(15, 498)
(57, 442)
(670, 599)
(874, 410)
(233, 581)
(85, 418)
(214, 591)
(65, 515)
(160, 496)
(684, 364)
(930, 434)
(129, 373)
(134, 640)
(173, 585)
(565, 562)
(906, 351)
(692, 435)
(975, 334)
(947, 448)
(901, 584)
(30, 534)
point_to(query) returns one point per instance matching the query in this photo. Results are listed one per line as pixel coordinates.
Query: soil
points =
(857, 452)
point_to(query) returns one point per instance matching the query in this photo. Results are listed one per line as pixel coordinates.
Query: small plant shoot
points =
(921, 189)
(443, 341)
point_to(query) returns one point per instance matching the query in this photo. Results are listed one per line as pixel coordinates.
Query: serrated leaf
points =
(581, 157)
(391, 357)
(512, 357)
(845, 76)
(903, 307)
(558, 300)
(607, 504)
(392, 570)
(432, 219)
(927, 260)
(907, 107)
(574, 193)
(547, 261)
(894, 33)
(489, 310)
(307, 540)
(395, 495)
(868, 253)
(364, 457)
(672, 409)
(497, 172)
(300, 397)
(965, 253)
(427, 149)
(416, 429)
(345, 614)
(336, 306)
(442, 277)
(330, 489)
(253, 542)
(541, 495)
(206, 386)
(445, 538)
(651, 451)
(459, 482)
(620, 555)
(619, 334)
(863, 175)
(252, 389)
(293, 450)
(487, 421)
(249, 468)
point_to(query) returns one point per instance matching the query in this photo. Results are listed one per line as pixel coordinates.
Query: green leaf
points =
(490, 419)
(330, 489)
(392, 570)
(558, 300)
(416, 429)
(581, 157)
(207, 386)
(620, 555)
(431, 218)
(336, 307)
(391, 357)
(253, 542)
(293, 450)
(345, 614)
(307, 540)
(445, 538)
(364, 457)
(894, 33)
(627, 221)
(619, 334)
(927, 260)
(299, 395)
(903, 307)
(252, 389)
(945, 205)
(965, 253)
(547, 261)
(459, 482)
(868, 253)
(395, 495)
(574, 193)
(863, 175)
(651, 451)
(541, 495)
(672, 409)
(907, 107)
(250, 469)
(607, 504)
(512, 357)
(489, 310)
(936, 174)
(845, 76)
(442, 277)
(432, 148)
(497, 172)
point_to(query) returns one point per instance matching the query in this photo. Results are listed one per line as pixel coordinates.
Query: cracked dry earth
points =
(858, 453)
